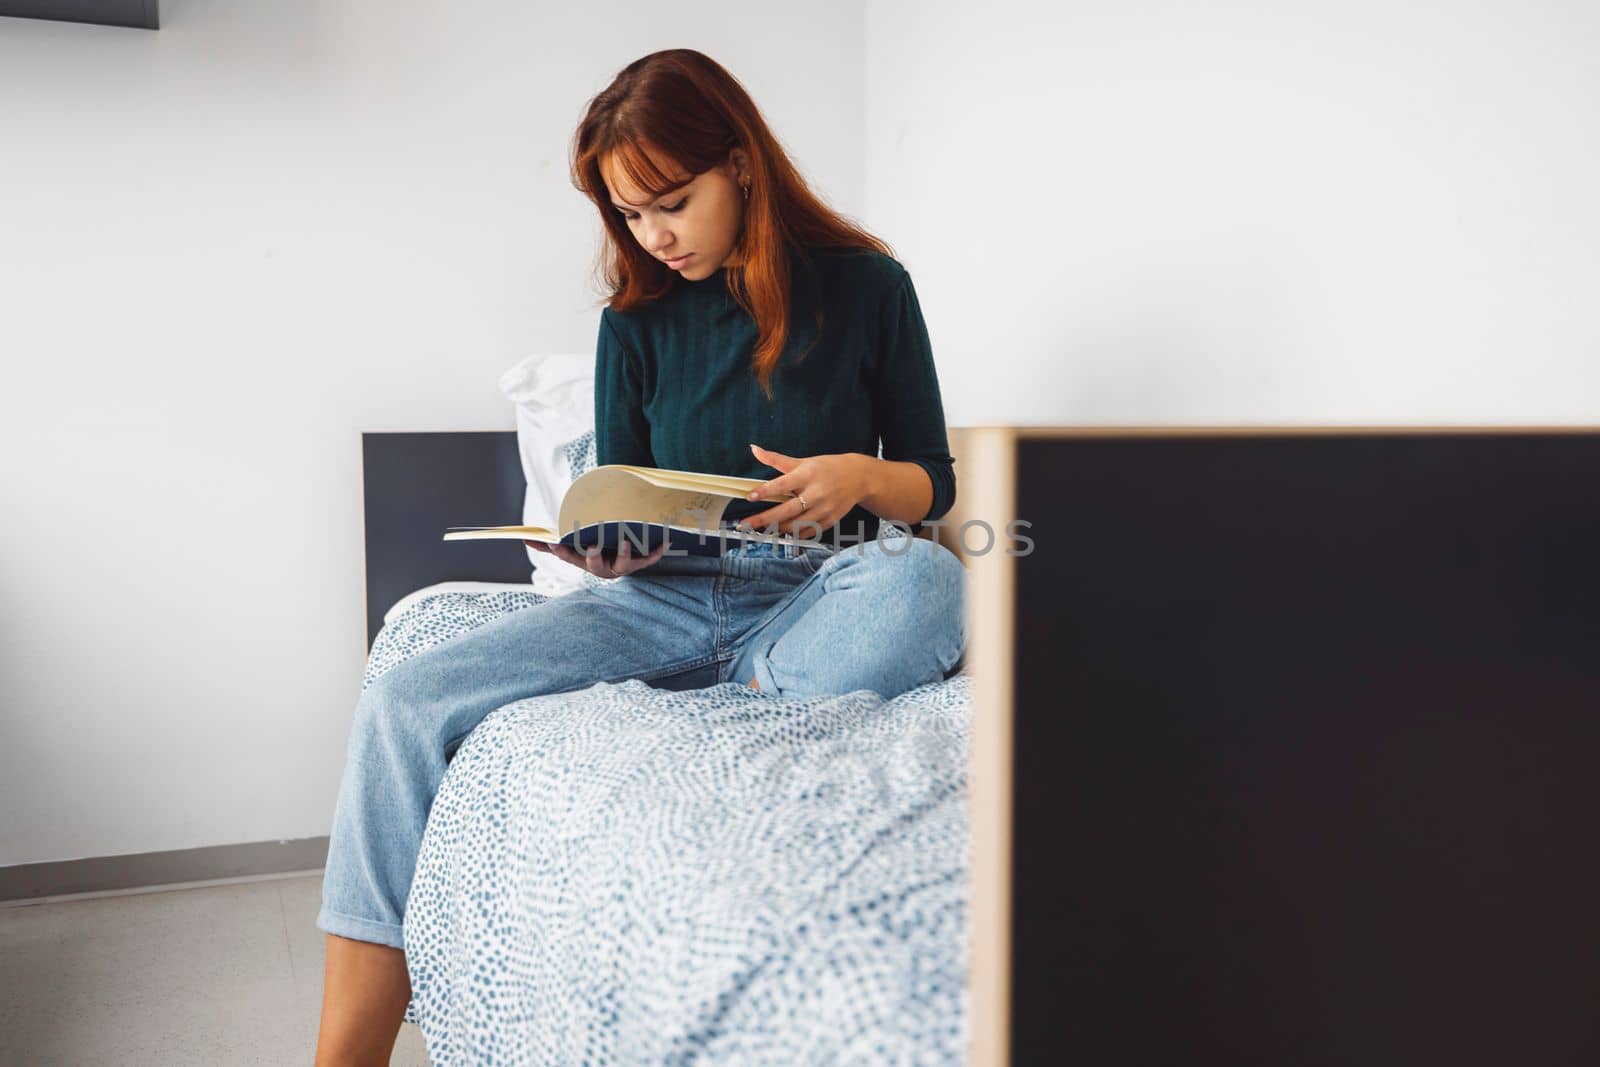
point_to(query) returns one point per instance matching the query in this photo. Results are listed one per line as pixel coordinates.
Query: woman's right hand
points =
(597, 564)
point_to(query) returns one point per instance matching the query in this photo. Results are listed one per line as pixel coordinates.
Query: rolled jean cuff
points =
(778, 682)
(763, 675)
(331, 922)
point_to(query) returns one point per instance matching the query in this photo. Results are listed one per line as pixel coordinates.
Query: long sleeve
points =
(621, 432)
(905, 401)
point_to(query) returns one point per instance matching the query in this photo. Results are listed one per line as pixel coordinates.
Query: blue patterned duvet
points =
(632, 875)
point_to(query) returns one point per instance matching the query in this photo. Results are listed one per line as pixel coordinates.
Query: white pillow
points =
(554, 399)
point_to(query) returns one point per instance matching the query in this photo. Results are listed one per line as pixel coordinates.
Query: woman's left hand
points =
(830, 485)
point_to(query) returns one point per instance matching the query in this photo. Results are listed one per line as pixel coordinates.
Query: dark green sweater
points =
(674, 386)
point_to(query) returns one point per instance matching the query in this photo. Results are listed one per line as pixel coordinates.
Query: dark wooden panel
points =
(138, 14)
(416, 485)
(1306, 743)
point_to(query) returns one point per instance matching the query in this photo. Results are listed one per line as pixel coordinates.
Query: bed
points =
(625, 874)
(1282, 754)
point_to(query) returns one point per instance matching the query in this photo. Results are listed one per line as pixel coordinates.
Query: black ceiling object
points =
(139, 14)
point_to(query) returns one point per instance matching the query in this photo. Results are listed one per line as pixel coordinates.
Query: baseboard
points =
(99, 874)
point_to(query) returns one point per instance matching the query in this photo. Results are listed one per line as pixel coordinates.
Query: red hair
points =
(692, 110)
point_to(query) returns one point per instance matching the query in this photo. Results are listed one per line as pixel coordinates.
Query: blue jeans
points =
(886, 615)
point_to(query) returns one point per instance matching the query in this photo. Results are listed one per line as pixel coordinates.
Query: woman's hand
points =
(595, 562)
(825, 488)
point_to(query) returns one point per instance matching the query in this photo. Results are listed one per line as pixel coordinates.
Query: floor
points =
(220, 975)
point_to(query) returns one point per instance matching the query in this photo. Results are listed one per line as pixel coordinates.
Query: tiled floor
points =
(217, 976)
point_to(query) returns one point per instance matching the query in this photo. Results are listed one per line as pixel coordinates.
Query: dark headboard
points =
(414, 485)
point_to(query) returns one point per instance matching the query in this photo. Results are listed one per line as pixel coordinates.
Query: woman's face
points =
(692, 229)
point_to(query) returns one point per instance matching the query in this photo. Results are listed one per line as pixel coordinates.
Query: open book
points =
(644, 505)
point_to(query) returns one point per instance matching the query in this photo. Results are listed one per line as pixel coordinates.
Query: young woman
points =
(750, 330)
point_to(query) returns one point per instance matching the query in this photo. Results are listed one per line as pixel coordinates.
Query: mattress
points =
(630, 875)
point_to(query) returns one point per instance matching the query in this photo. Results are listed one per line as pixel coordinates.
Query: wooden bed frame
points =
(1285, 744)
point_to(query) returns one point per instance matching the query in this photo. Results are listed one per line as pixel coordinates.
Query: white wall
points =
(226, 249)
(1254, 211)
(229, 247)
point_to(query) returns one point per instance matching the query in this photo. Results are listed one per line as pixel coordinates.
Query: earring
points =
(745, 185)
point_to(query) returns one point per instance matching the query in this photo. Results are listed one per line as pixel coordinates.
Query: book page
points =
(483, 533)
(722, 484)
(614, 492)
